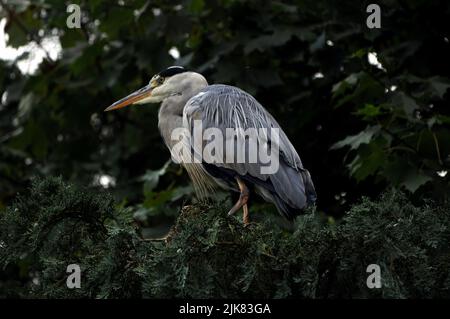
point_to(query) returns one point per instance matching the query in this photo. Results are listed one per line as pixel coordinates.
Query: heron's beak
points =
(134, 97)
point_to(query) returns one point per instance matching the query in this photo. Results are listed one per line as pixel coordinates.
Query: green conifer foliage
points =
(209, 254)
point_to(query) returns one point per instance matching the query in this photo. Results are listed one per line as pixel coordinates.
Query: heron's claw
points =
(231, 212)
(250, 224)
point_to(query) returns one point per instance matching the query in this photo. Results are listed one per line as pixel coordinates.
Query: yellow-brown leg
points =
(245, 216)
(242, 201)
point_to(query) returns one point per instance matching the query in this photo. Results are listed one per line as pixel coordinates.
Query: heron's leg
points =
(242, 201)
(245, 216)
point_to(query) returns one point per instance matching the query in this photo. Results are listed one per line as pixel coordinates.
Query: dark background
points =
(360, 128)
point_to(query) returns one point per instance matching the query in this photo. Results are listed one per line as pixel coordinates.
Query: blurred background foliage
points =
(367, 109)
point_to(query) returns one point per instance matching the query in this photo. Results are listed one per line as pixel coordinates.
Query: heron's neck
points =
(167, 122)
(170, 114)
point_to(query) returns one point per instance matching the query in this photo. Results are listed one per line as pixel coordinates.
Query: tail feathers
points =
(310, 191)
(285, 209)
(291, 211)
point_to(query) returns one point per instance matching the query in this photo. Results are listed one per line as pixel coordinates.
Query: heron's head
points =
(173, 81)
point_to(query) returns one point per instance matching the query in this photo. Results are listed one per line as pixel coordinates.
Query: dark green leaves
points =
(369, 111)
(151, 178)
(17, 36)
(264, 42)
(355, 141)
(408, 104)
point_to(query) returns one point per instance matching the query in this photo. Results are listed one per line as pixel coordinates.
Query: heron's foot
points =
(250, 225)
(243, 198)
(231, 211)
(242, 202)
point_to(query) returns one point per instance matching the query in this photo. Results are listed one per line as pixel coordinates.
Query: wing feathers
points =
(222, 107)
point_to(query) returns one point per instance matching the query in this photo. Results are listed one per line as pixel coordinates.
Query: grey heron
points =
(186, 96)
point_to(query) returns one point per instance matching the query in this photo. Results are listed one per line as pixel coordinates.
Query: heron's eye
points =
(160, 80)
